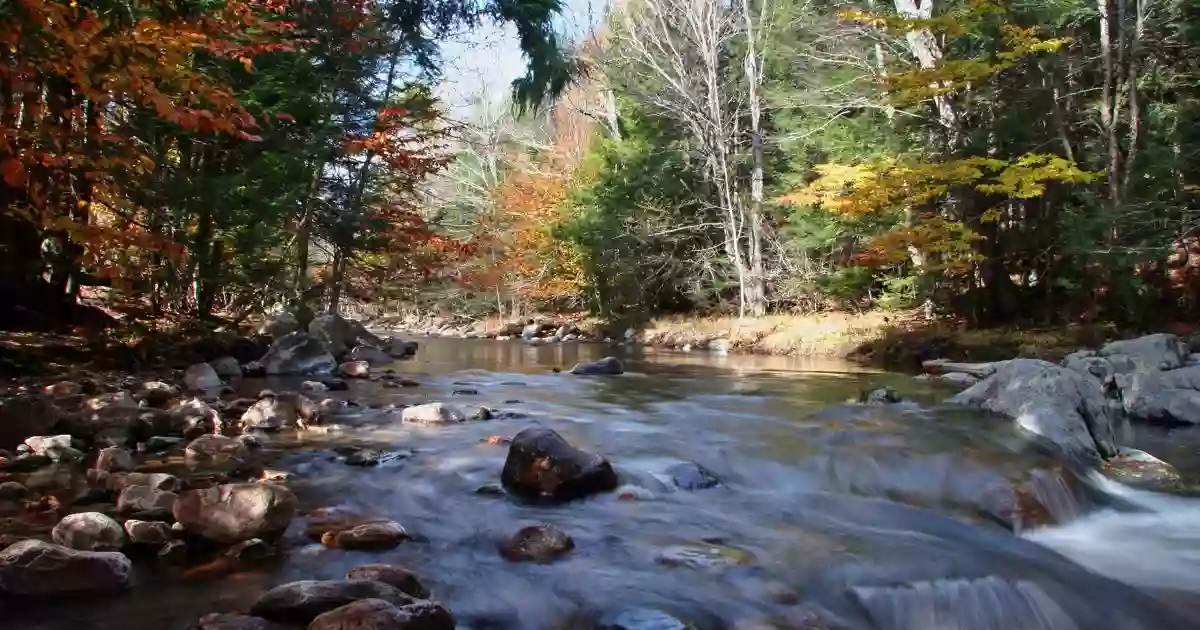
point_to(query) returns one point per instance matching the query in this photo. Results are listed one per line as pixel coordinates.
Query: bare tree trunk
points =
(925, 48)
(610, 114)
(757, 283)
(1108, 99)
(1131, 84)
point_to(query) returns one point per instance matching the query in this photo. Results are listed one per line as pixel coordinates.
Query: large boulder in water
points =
(274, 411)
(301, 602)
(542, 465)
(377, 614)
(1162, 351)
(201, 377)
(608, 366)
(1062, 408)
(1171, 397)
(298, 353)
(341, 334)
(33, 568)
(400, 348)
(236, 512)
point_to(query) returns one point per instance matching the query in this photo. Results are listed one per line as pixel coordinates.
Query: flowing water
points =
(829, 515)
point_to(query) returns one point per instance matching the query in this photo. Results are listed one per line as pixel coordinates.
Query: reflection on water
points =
(897, 518)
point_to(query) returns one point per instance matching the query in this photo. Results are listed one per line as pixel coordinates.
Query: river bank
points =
(894, 339)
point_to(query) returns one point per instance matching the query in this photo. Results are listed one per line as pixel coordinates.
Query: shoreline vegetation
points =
(893, 339)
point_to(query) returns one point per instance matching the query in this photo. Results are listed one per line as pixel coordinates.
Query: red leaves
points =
(13, 172)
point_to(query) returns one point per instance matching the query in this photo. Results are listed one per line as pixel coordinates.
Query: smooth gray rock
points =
(432, 413)
(226, 367)
(608, 366)
(41, 569)
(301, 602)
(89, 531)
(235, 512)
(201, 377)
(1171, 397)
(1161, 351)
(1062, 408)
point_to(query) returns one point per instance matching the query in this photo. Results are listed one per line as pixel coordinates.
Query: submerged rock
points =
(610, 366)
(236, 512)
(298, 353)
(640, 619)
(89, 531)
(218, 621)
(542, 465)
(301, 602)
(40, 569)
(432, 413)
(377, 614)
(1062, 408)
(690, 476)
(706, 556)
(375, 535)
(536, 543)
(392, 575)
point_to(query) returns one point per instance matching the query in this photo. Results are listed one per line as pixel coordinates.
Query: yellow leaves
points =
(862, 189)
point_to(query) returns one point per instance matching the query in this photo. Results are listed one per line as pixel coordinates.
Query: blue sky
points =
(486, 60)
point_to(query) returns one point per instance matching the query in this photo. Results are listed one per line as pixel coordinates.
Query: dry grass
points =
(817, 334)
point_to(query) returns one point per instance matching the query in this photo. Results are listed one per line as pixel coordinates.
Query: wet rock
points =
(1062, 408)
(432, 413)
(606, 366)
(1161, 351)
(217, 453)
(174, 553)
(25, 463)
(218, 621)
(1140, 469)
(115, 459)
(160, 443)
(157, 481)
(149, 533)
(400, 348)
(193, 417)
(298, 353)
(40, 569)
(392, 575)
(237, 512)
(882, 396)
(355, 369)
(249, 551)
(690, 476)
(315, 387)
(465, 392)
(89, 531)
(278, 324)
(341, 334)
(201, 377)
(371, 355)
(156, 394)
(705, 556)
(640, 619)
(57, 447)
(542, 465)
(377, 614)
(363, 457)
(490, 489)
(536, 543)
(371, 536)
(276, 411)
(25, 416)
(12, 491)
(146, 502)
(301, 602)
(227, 367)
(483, 414)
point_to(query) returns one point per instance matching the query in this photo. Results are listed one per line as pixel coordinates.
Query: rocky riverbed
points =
(339, 482)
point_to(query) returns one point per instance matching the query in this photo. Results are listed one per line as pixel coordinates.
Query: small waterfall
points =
(989, 603)
(1157, 547)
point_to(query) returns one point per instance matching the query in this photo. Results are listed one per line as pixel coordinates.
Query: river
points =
(880, 518)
